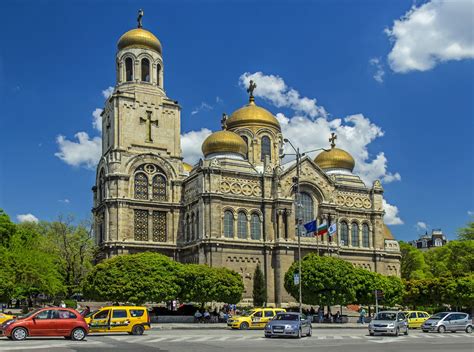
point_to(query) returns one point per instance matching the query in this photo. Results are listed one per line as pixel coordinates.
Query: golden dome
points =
(187, 167)
(335, 158)
(387, 234)
(139, 38)
(251, 114)
(224, 141)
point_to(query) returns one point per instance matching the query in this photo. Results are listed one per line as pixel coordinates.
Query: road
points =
(338, 340)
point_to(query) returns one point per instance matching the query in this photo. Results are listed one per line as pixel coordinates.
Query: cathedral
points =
(236, 206)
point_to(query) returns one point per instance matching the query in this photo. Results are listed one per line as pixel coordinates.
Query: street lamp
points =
(298, 206)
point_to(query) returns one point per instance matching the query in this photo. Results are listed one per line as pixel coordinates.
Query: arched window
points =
(246, 140)
(344, 234)
(266, 148)
(228, 224)
(128, 69)
(196, 230)
(255, 232)
(141, 186)
(365, 235)
(145, 70)
(159, 187)
(355, 235)
(193, 227)
(158, 73)
(101, 188)
(307, 210)
(242, 225)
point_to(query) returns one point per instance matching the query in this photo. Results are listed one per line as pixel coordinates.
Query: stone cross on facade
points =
(149, 122)
(332, 139)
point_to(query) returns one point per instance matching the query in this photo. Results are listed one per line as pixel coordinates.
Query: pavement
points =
(221, 326)
(210, 340)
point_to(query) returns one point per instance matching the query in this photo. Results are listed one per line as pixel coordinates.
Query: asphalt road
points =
(338, 340)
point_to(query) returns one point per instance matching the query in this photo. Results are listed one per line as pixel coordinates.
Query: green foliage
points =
(70, 303)
(412, 265)
(393, 290)
(324, 280)
(456, 258)
(366, 282)
(259, 288)
(466, 233)
(7, 228)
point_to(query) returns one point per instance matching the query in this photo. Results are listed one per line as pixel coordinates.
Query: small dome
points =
(335, 159)
(187, 167)
(139, 38)
(387, 234)
(224, 142)
(251, 114)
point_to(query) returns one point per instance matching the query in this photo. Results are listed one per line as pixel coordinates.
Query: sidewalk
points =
(222, 326)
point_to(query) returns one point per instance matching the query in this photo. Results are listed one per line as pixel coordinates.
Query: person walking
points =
(362, 314)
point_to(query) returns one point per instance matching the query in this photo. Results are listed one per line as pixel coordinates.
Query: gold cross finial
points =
(250, 89)
(139, 18)
(332, 139)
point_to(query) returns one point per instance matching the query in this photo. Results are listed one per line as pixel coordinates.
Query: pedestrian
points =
(362, 314)
(197, 316)
(320, 314)
(62, 304)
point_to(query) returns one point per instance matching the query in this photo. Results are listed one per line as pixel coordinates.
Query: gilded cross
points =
(149, 122)
(251, 88)
(332, 139)
(139, 18)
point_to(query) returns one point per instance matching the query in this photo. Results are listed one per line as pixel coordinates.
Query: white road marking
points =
(157, 340)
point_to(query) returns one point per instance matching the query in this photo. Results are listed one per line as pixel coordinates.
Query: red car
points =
(51, 321)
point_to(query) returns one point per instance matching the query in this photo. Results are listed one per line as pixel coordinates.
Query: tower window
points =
(159, 187)
(266, 148)
(246, 140)
(355, 235)
(128, 69)
(145, 70)
(228, 224)
(255, 231)
(344, 234)
(365, 235)
(242, 225)
(158, 73)
(141, 225)
(159, 226)
(141, 186)
(307, 210)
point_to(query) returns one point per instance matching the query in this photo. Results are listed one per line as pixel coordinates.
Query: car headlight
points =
(267, 327)
(391, 325)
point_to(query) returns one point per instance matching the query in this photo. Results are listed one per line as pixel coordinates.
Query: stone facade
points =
(227, 212)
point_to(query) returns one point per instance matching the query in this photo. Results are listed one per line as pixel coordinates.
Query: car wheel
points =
(397, 332)
(425, 330)
(310, 332)
(138, 330)
(469, 329)
(442, 329)
(19, 334)
(78, 334)
(371, 334)
(244, 326)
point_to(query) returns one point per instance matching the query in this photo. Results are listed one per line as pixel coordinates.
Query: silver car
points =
(389, 322)
(289, 324)
(448, 321)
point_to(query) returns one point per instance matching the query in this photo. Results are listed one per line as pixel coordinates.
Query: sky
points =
(393, 79)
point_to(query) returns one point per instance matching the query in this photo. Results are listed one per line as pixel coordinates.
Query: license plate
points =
(278, 330)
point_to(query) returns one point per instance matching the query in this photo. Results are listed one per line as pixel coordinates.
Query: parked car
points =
(416, 318)
(448, 321)
(255, 319)
(389, 322)
(289, 324)
(132, 319)
(4, 317)
(51, 321)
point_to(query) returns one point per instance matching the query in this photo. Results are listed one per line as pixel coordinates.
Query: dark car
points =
(288, 324)
(51, 321)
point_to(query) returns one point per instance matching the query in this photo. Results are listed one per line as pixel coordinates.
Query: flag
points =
(332, 229)
(310, 226)
(322, 229)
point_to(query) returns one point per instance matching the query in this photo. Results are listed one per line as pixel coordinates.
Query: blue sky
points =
(407, 119)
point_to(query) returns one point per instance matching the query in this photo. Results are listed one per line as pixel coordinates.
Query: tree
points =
(366, 282)
(7, 228)
(393, 289)
(454, 259)
(324, 280)
(466, 233)
(259, 288)
(412, 264)
(135, 278)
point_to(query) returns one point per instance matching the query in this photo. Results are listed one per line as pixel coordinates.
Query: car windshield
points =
(286, 317)
(29, 314)
(91, 313)
(438, 315)
(386, 316)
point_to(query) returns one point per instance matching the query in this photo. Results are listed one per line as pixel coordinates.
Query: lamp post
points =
(298, 206)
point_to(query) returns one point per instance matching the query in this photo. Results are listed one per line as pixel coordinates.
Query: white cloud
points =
(27, 218)
(379, 71)
(219, 100)
(437, 31)
(97, 119)
(274, 89)
(421, 226)
(108, 92)
(203, 107)
(191, 144)
(391, 216)
(85, 152)
(65, 201)
(470, 213)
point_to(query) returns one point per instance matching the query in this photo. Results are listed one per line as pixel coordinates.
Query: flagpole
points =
(317, 237)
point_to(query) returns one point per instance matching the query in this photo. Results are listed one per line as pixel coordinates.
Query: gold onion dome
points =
(224, 142)
(139, 38)
(335, 158)
(187, 167)
(252, 114)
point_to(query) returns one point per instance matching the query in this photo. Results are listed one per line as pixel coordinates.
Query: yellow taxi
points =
(4, 317)
(416, 318)
(132, 319)
(255, 319)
